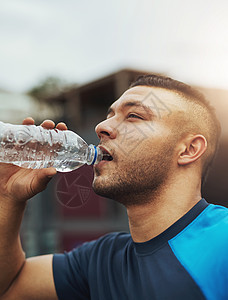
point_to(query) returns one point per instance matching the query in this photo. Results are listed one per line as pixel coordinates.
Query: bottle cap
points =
(94, 155)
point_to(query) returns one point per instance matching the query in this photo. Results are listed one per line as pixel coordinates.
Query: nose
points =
(106, 130)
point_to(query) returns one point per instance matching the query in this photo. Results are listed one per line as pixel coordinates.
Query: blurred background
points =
(69, 60)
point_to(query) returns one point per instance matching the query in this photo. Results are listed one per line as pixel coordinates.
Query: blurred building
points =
(51, 224)
(215, 189)
(15, 107)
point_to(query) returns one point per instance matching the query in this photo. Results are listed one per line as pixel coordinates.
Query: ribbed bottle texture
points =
(35, 147)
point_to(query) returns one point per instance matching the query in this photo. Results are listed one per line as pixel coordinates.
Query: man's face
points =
(138, 134)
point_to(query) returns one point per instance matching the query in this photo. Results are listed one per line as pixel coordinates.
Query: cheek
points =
(154, 137)
(136, 140)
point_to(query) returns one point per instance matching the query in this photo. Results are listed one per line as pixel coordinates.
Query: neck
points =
(146, 221)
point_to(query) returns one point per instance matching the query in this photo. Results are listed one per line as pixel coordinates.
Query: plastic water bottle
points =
(35, 147)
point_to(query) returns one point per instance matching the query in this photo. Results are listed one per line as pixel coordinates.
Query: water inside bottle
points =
(60, 166)
(35, 147)
(37, 156)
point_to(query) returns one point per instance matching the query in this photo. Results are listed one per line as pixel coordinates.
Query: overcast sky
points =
(82, 40)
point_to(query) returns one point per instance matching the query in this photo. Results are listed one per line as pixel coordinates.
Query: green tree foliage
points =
(49, 87)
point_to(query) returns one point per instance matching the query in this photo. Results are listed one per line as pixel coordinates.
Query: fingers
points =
(50, 172)
(61, 126)
(48, 124)
(40, 181)
(28, 121)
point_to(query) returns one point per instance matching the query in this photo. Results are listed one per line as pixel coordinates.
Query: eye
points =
(134, 116)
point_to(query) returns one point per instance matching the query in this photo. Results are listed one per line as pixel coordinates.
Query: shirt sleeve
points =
(70, 271)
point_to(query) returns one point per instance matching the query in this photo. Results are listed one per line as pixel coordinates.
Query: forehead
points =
(152, 97)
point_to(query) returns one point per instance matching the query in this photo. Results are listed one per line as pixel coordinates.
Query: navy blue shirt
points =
(187, 261)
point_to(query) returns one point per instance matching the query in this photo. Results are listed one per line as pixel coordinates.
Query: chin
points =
(101, 188)
(97, 186)
(101, 191)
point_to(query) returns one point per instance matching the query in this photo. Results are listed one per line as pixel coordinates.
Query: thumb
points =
(41, 180)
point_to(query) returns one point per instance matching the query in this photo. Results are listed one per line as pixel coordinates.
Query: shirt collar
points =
(173, 230)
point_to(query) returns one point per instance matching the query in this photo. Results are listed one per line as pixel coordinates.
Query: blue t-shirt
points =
(189, 260)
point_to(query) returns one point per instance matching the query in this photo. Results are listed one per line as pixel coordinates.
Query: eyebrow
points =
(133, 104)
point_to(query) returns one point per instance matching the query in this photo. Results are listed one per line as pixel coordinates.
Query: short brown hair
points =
(192, 95)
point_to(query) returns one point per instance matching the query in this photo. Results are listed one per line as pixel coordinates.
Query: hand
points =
(20, 184)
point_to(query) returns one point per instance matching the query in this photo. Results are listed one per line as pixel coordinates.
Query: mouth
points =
(106, 155)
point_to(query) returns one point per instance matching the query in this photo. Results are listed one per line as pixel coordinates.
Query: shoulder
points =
(217, 210)
(114, 241)
(205, 237)
(88, 251)
(202, 249)
(80, 258)
(215, 219)
(209, 228)
(99, 252)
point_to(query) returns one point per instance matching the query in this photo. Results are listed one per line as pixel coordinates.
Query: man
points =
(177, 246)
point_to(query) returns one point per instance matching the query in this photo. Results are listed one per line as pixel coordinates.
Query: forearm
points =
(12, 256)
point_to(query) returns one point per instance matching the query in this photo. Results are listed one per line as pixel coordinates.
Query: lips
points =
(106, 154)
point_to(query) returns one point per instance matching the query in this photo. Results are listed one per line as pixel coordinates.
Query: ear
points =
(192, 149)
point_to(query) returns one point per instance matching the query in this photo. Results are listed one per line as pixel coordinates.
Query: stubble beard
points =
(135, 182)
